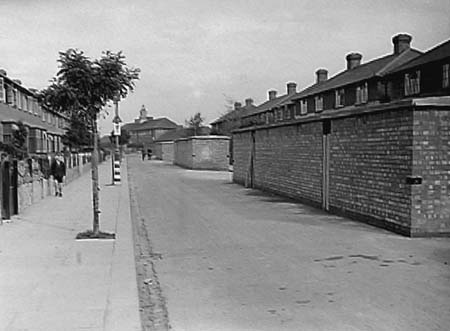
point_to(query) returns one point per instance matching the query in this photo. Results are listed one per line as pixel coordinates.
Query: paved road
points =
(236, 259)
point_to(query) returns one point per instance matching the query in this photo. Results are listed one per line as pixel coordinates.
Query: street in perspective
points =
(230, 258)
(225, 165)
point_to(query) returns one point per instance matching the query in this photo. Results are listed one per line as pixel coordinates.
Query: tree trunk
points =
(94, 164)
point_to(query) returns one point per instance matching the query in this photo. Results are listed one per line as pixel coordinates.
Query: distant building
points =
(19, 104)
(145, 129)
(230, 121)
(163, 147)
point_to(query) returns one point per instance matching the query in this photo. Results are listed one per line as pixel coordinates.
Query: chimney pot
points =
(322, 75)
(272, 94)
(237, 105)
(17, 81)
(353, 60)
(248, 102)
(401, 42)
(291, 88)
(3, 72)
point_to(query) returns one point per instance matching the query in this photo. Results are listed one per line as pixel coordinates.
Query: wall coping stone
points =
(203, 138)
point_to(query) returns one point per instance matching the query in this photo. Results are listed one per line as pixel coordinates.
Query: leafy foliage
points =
(124, 137)
(195, 122)
(17, 148)
(83, 86)
(79, 134)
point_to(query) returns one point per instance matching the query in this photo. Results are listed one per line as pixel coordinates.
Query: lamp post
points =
(116, 132)
(116, 123)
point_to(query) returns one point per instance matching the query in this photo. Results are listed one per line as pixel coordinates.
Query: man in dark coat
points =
(58, 171)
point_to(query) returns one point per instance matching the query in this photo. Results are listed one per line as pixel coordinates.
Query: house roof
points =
(157, 123)
(437, 53)
(241, 112)
(378, 67)
(181, 133)
(269, 104)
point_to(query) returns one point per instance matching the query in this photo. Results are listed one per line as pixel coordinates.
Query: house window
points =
(15, 100)
(2, 90)
(339, 98)
(319, 102)
(9, 94)
(303, 107)
(287, 112)
(445, 75)
(362, 93)
(412, 83)
(297, 110)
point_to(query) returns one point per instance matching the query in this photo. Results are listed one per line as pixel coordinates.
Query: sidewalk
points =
(50, 281)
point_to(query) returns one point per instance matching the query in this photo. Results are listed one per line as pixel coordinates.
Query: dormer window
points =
(303, 107)
(445, 75)
(362, 93)
(339, 98)
(412, 83)
(318, 103)
(287, 112)
(280, 114)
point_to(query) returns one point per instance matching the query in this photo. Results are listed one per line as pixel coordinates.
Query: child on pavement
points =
(58, 171)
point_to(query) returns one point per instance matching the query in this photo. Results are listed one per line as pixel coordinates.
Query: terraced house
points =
(372, 142)
(19, 104)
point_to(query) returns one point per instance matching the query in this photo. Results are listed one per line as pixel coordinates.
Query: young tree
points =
(82, 88)
(195, 122)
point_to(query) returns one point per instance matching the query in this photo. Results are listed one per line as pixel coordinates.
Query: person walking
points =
(58, 171)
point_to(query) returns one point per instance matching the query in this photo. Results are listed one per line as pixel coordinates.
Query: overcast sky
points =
(194, 53)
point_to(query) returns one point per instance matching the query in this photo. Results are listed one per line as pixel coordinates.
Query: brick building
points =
(230, 121)
(163, 146)
(371, 142)
(145, 129)
(19, 104)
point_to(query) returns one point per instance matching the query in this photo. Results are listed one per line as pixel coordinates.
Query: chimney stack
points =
(322, 75)
(237, 105)
(353, 60)
(248, 102)
(401, 43)
(272, 94)
(17, 81)
(291, 88)
(3, 72)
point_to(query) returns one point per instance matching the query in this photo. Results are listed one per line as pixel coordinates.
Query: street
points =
(231, 258)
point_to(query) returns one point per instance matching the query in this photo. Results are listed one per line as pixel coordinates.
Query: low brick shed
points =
(202, 152)
(388, 165)
(164, 150)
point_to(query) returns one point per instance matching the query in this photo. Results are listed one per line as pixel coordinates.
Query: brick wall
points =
(288, 160)
(241, 155)
(167, 151)
(202, 152)
(157, 150)
(431, 162)
(372, 156)
(183, 153)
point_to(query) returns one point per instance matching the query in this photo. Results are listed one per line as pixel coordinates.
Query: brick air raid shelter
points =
(371, 142)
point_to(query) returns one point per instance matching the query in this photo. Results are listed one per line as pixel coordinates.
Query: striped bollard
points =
(116, 172)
